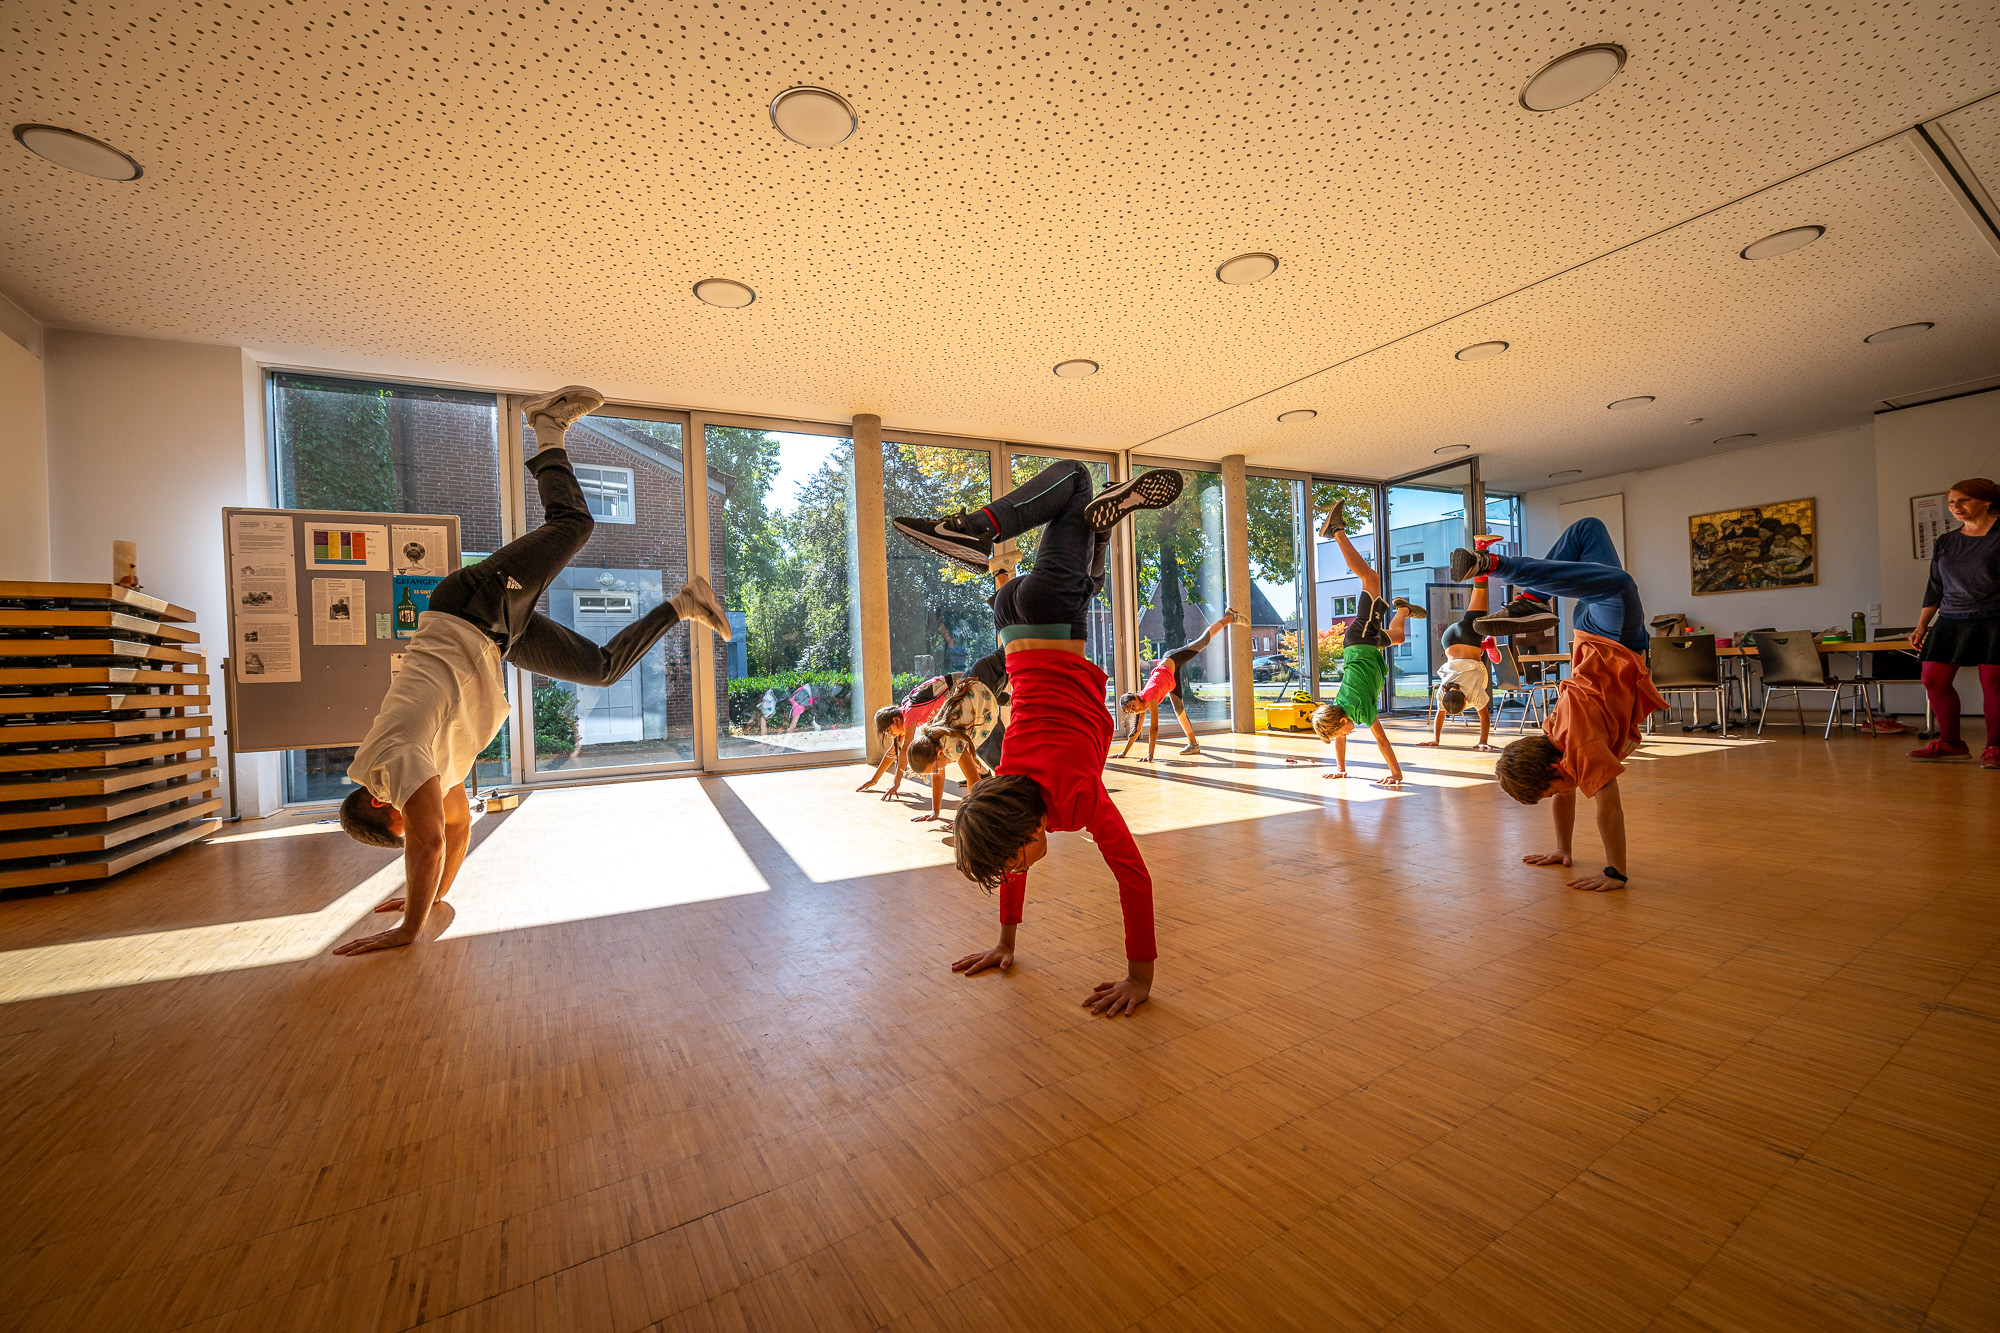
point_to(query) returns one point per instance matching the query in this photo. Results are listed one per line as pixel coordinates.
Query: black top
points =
(1965, 575)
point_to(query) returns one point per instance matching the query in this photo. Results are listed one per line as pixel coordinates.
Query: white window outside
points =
(608, 492)
(604, 603)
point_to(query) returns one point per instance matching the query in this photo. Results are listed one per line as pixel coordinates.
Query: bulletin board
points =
(322, 604)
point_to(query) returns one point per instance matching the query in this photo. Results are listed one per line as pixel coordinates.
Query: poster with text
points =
(260, 534)
(267, 651)
(409, 600)
(418, 551)
(340, 608)
(1930, 519)
(346, 548)
(261, 588)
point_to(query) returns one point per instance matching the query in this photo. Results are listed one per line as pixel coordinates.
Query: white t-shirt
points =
(1470, 675)
(444, 706)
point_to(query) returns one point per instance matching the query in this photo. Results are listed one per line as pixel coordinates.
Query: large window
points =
(783, 559)
(1503, 519)
(1277, 527)
(1178, 554)
(631, 472)
(386, 448)
(940, 618)
(1427, 520)
(1337, 596)
(1100, 638)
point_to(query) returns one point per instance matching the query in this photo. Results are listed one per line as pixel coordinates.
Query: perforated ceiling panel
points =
(524, 194)
(1770, 347)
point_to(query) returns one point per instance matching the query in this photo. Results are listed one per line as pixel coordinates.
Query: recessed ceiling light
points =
(814, 117)
(78, 152)
(1076, 370)
(1900, 332)
(1573, 77)
(1480, 351)
(1737, 439)
(1451, 449)
(723, 292)
(1627, 404)
(1297, 415)
(1567, 472)
(1783, 242)
(1245, 269)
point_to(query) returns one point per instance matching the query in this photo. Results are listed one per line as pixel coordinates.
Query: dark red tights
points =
(1939, 678)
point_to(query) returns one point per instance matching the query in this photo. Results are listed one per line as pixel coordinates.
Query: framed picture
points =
(1762, 546)
(1929, 520)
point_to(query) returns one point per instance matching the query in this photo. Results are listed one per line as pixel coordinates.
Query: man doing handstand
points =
(1169, 682)
(1051, 767)
(448, 701)
(1609, 695)
(1363, 668)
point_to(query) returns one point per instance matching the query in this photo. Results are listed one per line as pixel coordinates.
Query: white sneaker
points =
(696, 601)
(561, 408)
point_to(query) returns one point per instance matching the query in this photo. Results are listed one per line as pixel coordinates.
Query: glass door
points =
(939, 617)
(1279, 589)
(1426, 520)
(631, 466)
(1100, 635)
(1336, 591)
(1180, 587)
(783, 558)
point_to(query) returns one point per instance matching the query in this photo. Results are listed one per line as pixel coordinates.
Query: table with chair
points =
(1786, 661)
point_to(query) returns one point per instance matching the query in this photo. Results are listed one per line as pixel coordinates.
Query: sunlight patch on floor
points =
(575, 853)
(265, 834)
(165, 955)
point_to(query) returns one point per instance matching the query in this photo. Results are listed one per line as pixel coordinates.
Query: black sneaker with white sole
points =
(1523, 615)
(1466, 564)
(1149, 490)
(948, 540)
(1416, 612)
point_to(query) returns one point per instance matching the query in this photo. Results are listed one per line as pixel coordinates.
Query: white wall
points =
(24, 492)
(1922, 451)
(148, 440)
(1837, 470)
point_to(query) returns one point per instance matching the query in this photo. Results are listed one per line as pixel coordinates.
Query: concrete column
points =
(872, 561)
(1236, 530)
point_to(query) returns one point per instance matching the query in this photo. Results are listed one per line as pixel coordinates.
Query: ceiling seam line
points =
(1580, 264)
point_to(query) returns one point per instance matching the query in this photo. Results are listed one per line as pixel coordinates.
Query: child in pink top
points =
(1169, 682)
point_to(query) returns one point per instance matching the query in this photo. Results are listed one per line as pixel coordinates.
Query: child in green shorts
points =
(1363, 669)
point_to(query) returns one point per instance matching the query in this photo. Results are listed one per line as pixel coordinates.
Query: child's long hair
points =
(925, 747)
(1452, 699)
(887, 717)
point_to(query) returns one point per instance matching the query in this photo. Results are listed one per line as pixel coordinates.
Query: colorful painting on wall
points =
(1763, 546)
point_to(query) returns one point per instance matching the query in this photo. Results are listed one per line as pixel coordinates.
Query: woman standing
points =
(1960, 623)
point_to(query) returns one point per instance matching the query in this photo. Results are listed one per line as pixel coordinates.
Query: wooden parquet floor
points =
(687, 1055)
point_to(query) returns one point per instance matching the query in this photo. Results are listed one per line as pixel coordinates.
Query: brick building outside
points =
(632, 475)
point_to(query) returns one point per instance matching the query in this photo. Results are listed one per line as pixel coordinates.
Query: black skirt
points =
(1964, 642)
